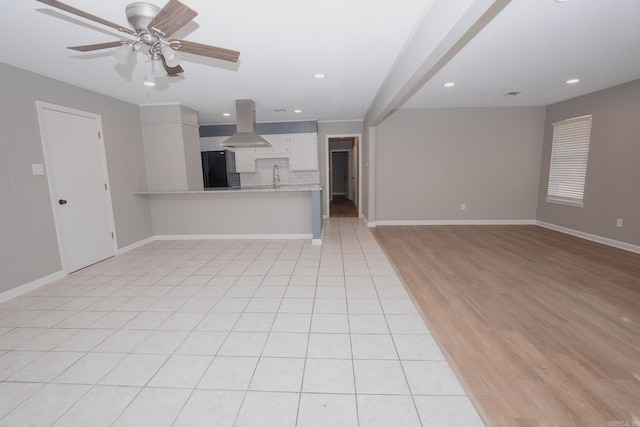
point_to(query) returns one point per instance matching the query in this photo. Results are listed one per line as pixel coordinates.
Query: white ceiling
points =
(532, 46)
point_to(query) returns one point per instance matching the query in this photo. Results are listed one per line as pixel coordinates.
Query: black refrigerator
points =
(219, 169)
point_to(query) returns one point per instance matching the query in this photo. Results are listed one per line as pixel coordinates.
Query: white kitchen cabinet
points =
(245, 159)
(301, 149)
(303, 152)
(279, 147)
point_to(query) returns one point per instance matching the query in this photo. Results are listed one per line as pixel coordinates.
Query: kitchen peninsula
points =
(278, 198)
(287, 211)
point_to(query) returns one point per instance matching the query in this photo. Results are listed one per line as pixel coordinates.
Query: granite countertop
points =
(248, 189)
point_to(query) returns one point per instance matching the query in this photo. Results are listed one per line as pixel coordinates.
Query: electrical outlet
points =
(619, 222)
(37, 169)
(463, 206)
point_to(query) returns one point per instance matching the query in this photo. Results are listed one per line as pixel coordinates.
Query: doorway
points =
(75, 164)
(342, 176)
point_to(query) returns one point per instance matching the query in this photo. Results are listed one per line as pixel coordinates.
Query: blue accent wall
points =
(262, 128)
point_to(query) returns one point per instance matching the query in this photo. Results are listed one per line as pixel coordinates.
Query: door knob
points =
(62, 202)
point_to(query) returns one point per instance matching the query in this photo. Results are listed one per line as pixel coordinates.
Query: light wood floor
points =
(542, 328)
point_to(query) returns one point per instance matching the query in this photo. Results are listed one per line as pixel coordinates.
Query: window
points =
(569, 155)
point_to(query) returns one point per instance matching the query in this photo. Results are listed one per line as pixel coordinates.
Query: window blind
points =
(569, 156)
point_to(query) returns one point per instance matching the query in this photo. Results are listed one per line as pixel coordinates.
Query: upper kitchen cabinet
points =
(245, 159)
(303, 152)
(279, 147)
(300, 148)
(171, 147)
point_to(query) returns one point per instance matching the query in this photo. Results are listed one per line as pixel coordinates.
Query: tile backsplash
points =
(264, 174)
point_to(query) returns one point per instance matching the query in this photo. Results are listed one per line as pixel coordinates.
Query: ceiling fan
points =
(151, 28)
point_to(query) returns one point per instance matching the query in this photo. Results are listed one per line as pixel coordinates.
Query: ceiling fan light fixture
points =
(157, 68)
(123, 53)
(171, 57)
(151, 25)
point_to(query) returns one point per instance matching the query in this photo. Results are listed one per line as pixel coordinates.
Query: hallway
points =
(341, 207)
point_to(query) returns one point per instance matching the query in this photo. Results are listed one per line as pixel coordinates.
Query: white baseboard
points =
(587, 236)
(135, 245)
(368, 223)
(459, 222)
(27, 287)
(592, 237)
(234, 237)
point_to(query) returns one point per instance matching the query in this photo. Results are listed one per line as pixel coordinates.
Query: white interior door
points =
(78, 181)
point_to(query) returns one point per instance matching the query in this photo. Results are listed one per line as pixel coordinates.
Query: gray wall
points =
(612, 186)
(28, 243)
(341, 145)
(430, 161)
(367, 174)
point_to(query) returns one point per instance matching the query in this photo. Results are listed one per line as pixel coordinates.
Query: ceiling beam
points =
(444, 29)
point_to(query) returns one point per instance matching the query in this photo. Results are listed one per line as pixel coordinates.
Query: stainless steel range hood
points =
(245, 135)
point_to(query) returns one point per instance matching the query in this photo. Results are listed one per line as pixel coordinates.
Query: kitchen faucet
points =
(276, 175)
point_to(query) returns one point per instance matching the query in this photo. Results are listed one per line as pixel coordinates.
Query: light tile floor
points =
(228, 333)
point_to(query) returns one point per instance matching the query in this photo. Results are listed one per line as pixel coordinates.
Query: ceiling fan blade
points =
(171, 71)
(97, 46)
(78, 12)
(173, 16)
(209, 51)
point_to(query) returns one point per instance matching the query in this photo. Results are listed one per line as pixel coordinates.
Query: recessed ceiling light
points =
(319, 76)
(561, 1)
(226, 114)
(149, 83)
(449, 84)
(572, 81)
(297, 111)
